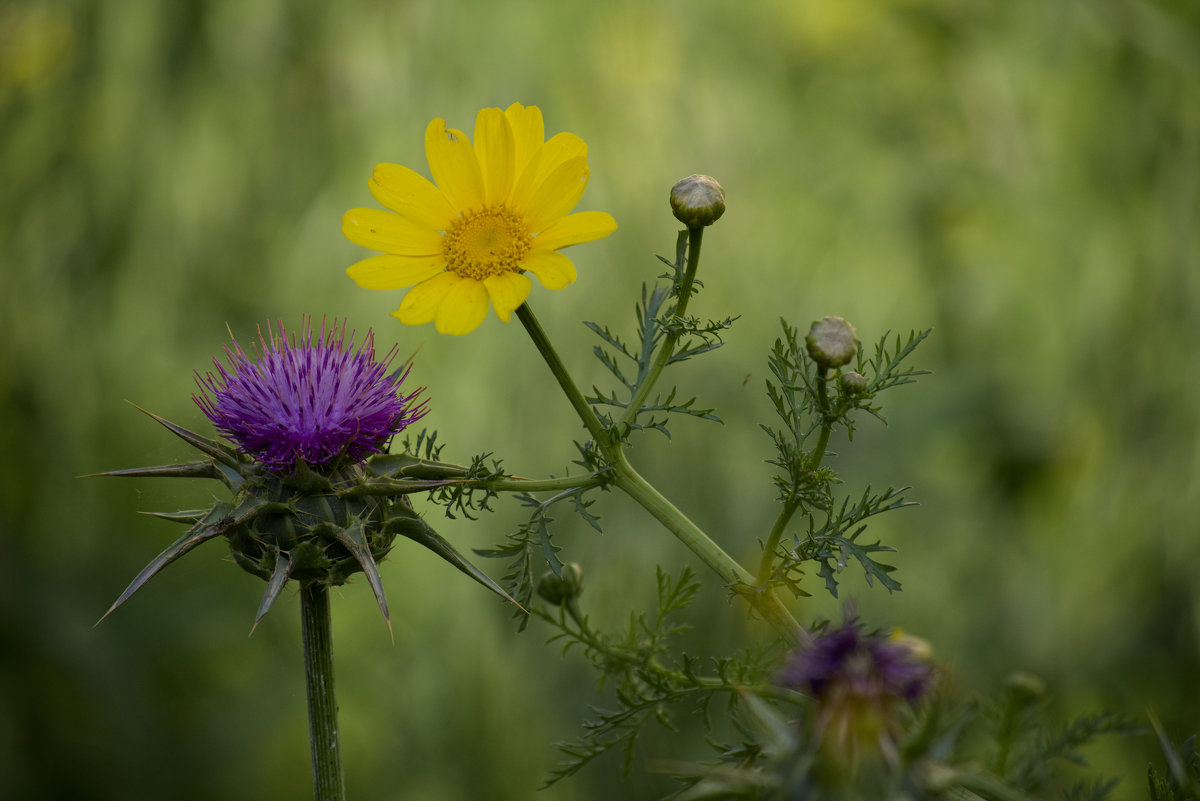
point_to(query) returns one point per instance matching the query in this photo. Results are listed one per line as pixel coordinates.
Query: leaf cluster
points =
(663, 338)
(799, 391)
(532, 539)
(1181, 782)
(647, 677)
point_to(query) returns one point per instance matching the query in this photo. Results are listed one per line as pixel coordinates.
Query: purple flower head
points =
(849, 662)
(313, 398)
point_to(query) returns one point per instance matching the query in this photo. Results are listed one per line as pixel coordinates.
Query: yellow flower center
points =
(484, 242)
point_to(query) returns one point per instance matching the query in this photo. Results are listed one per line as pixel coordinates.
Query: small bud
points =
(559, 590)
(853, 383)
(697, 201)
(831, 342)
(1025, 687)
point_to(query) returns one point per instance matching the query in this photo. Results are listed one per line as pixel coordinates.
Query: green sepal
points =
(305, 479)
(231, 475)
(283, 571)
(405, 465)
(211, 447)
(213, 524)
(218, 520)
(189, 516)
(417, 530)
(354, 539)
(205, 469)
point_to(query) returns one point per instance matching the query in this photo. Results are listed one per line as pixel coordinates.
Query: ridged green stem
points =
(737, 577)
(827, 419)
(509, 484)
(768, 557)
(578, 402)
(317, 631)
(695, 237)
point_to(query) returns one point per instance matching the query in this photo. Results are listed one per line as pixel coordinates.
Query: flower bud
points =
(1025, 687)
(831, 342)
(697, 201)
(560, 589)
(853, 383)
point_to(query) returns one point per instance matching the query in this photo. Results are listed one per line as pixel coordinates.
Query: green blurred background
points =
(1022, 175)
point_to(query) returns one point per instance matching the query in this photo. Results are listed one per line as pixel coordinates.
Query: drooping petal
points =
(454, 167)
(463, 308)
(495, 150)
(553, 269)
(546, 159)
(557, 195)
(383, 230)
(422, 301)
(412, 196)
(507, 291)
(529, 132)
(395, 272)
(583, 226)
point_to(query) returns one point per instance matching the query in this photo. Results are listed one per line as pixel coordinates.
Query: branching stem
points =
(763, 599)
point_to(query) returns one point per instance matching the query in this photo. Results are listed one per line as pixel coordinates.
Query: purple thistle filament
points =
(313, 398)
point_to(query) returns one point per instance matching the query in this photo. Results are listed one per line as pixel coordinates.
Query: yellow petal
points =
(529, 132)
(395, 272)
(463, 309)
(390, 233)
(412, 196)
(422, 301)
(507, 291)
(546, 159)
(557, 195)
(583, 226)
(453, 165)
(553, 269)
(495, 150)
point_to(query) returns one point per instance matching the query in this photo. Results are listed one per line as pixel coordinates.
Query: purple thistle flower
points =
(849, 661)
(314, 398)
(858, 680)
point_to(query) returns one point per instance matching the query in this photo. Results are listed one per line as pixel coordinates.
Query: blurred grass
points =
(1022, 175)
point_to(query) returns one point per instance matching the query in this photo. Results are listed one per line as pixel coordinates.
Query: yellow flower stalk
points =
(495, 210)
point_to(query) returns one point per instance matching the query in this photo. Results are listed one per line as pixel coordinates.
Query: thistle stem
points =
(317, 632)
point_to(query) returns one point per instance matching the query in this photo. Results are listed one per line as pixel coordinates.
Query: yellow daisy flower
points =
(500, 208)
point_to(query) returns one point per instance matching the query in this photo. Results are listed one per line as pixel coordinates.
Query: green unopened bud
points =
(559, 589)
(697, 201)
(854, 383)
(831, 342)
(1025, 687)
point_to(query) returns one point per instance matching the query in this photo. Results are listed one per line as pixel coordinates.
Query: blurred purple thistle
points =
(850, 661)
(314, 399)
(858, 680)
